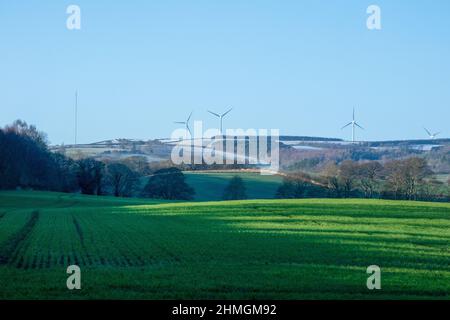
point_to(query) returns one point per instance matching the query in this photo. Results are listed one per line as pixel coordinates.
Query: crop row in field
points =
(243, 249)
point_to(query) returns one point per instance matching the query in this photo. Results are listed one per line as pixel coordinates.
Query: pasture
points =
(209, 186)
(256, 249)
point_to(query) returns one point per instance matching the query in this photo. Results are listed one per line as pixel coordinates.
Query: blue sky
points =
(300, 66)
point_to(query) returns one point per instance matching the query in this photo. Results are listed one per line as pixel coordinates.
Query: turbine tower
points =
(76, 116)
(186, 123)
(220, 116)
(354, 124)
(431, 135)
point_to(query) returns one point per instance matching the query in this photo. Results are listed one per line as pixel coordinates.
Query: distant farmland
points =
(257, 249)
(209, 186)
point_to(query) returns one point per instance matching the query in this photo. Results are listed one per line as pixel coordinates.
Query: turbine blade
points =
(178, 122)
(428, 132)
(190, 115)
(215, 114)
(353, 114)
(437, 133)
(359, 126)
(223, 115)
(346, 125)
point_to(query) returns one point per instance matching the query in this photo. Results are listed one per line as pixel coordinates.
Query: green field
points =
(209, 186)
(257, 249)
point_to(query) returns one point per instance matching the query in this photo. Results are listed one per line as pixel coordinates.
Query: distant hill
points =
(294, 150)
(305, 138)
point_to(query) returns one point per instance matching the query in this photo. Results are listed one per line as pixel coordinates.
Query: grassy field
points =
(271, 249)
(209, 186)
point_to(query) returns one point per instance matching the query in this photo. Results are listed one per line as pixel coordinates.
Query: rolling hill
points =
(256, 249)
(209, 186)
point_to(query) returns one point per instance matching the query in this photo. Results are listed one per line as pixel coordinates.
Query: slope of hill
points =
(259, 249)
(209, 186)
(293, 149)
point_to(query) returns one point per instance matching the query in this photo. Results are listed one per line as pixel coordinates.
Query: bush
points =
(296, 186)
(168, 184)
(235, 190)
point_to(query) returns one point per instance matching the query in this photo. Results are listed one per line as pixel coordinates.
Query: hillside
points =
(294, 150)
(209, 186)
(261, 249)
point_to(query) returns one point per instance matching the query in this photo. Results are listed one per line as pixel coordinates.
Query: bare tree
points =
(138, 164)
(368, 176)
(122, 180)
(405, 176)
(22, 128)
(347, 175)
(415, 170)
(90, 175)
(331, 175)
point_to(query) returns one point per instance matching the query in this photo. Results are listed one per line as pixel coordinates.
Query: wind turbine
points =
(186, 123)
(431, 135)
(354, 124)
(220, 116)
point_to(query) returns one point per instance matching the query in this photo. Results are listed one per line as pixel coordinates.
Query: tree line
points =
(26, 162)
(405, 179)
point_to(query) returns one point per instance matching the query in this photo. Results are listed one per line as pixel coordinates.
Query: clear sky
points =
(300, 66)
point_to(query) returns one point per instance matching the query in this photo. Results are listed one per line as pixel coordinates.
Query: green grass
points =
(209, 186)
(257, 249)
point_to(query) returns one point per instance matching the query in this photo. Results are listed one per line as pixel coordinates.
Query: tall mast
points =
(76, 116)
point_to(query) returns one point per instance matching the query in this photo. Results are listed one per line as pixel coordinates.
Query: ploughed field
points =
(256, 249)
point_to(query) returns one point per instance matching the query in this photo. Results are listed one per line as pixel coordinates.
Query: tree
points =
(26, 162)
(299, 185)
(432, 189)
(122, 180)
(65, 173)
(448, 188)
(331, 175)
(368, 175)
(21, 128)
(405, 176)
(138, 164)
(394, 179)
(347, 176)
(286, 190)
(235, 190)
(415, 170)
(90, 175)
(170, 184)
